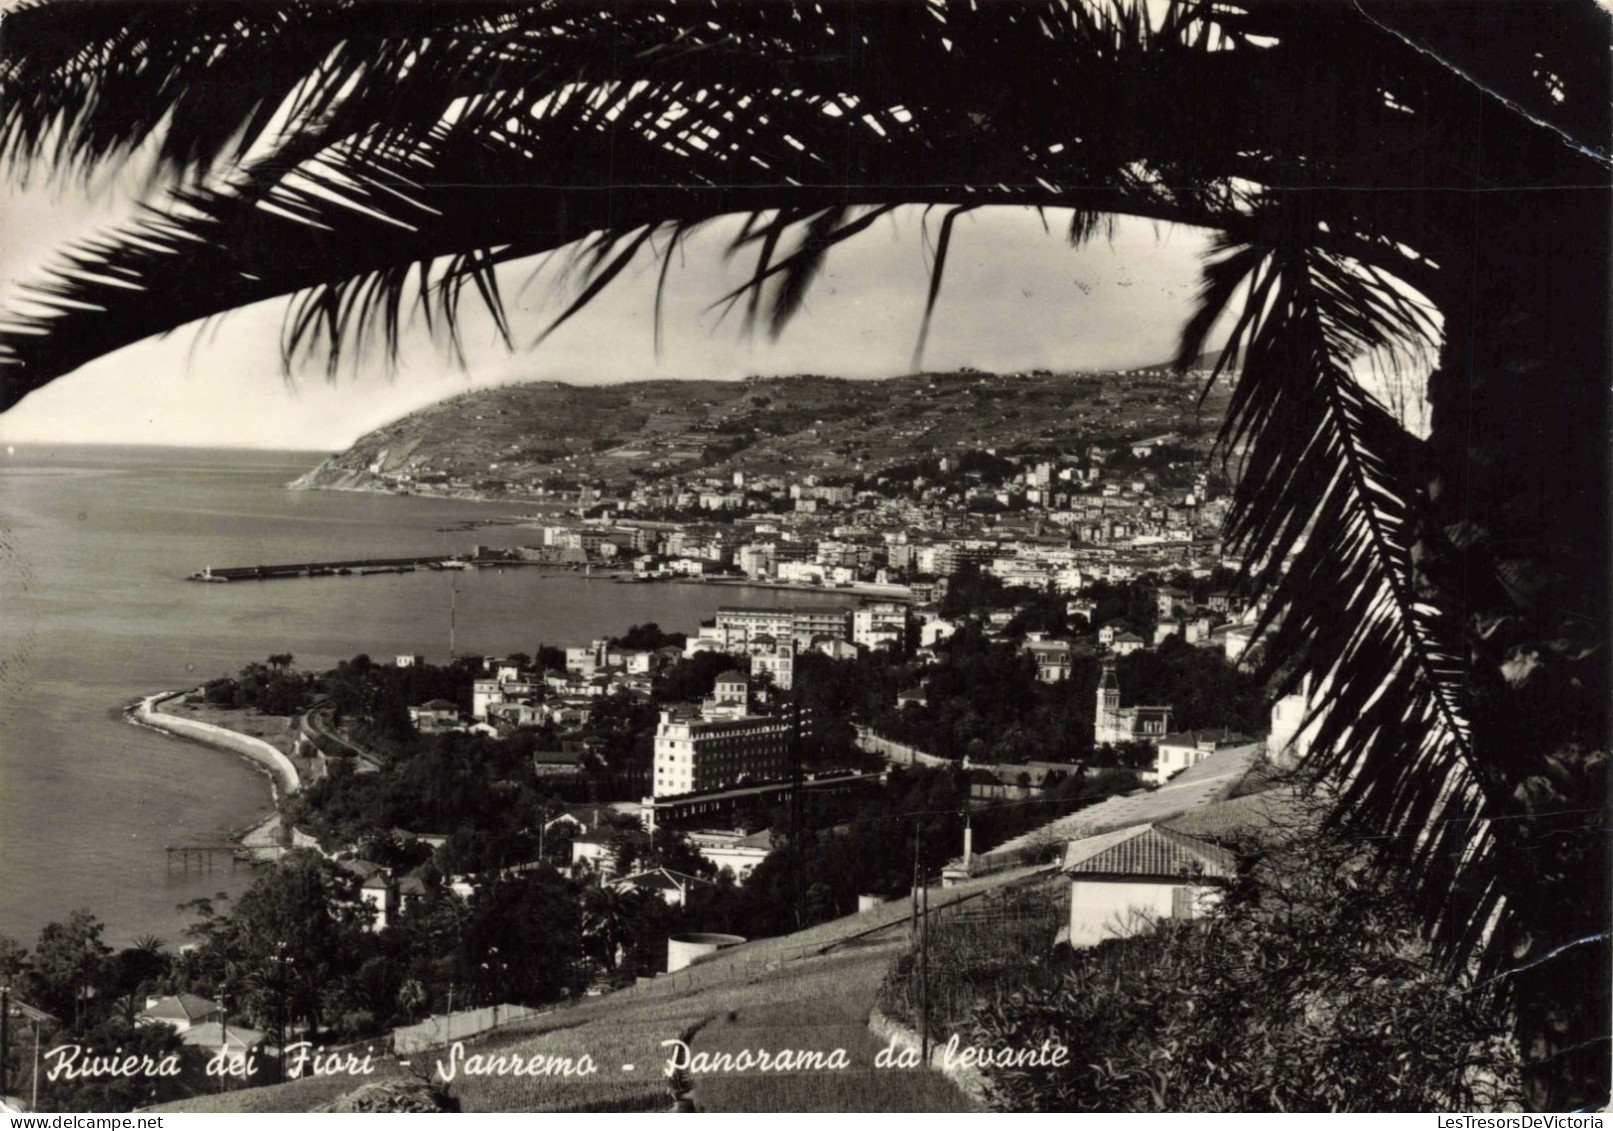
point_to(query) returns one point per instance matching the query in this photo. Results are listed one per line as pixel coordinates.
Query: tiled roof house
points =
(1121, 881)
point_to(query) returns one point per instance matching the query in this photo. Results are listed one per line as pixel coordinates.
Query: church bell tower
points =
(1106, 721)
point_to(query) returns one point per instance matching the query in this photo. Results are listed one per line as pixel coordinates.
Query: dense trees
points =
(297, 950)
(152, 1043)
(1452, 588)
(91, 993)
(648, 637)
(984, 701)
(68, 964)
(1309, 989)
(534, 922)
(481, 790)
(274, 688)
(375, 698)
(305, 909)
(692, 678)
(969, 590)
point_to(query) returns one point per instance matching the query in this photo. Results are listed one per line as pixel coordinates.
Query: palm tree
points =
(607, 920)
(412, 998)
(1392, 184)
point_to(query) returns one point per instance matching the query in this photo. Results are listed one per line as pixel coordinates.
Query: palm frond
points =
(1325, 512)
(937, 268)
(714, 108)
(373, 161)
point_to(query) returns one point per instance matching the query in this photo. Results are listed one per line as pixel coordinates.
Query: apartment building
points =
(694, 754)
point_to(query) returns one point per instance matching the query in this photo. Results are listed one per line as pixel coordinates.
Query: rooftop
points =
(556, 757)
(1215, 736)
(1259, 816)
(588, 816)
(660, 879)
(180, 1007)
(211, 1035)
(1210, 781)
(1148, 850)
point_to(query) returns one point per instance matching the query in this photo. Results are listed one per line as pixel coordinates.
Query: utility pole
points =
(5, 1035)
(795, 797)
(921, 936)
(281, 959)
(914, 921)
(224, 1037)
(34, 1103)
(924, 979)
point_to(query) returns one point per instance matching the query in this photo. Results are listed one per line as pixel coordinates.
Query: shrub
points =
(1309, 989)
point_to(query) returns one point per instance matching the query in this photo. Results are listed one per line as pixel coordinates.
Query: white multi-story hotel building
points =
(694, 754)
(745, 624)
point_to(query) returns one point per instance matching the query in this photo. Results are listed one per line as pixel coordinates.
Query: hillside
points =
(509, 442)
(810, 990)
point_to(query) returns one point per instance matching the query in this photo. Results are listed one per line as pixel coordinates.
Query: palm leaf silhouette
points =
(1385, 178)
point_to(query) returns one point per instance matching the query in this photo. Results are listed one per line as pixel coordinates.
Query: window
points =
(1181, 903)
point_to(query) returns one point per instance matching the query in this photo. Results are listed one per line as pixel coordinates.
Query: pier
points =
(203, 855)
(356, 567)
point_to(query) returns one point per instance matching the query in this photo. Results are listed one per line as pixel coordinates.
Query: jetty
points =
(358, 567)
(202, 855)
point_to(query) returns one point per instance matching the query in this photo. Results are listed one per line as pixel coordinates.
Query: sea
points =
(96, 544)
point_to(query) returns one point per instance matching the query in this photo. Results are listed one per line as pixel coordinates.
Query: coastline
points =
(282, 775)
(264, 841)
(891, 592)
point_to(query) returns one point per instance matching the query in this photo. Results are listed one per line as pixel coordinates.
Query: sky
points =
(1015, 296)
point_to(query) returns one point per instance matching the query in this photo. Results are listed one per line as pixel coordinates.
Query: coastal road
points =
(320, 726)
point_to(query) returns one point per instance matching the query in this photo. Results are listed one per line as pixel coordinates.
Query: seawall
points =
(279, 768)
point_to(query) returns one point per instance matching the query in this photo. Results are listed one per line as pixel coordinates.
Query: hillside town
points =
(852, 556)
(655, 788)
(1046, 653)
(1034, 521)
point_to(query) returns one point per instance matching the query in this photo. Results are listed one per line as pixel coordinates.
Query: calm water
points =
(94, 544)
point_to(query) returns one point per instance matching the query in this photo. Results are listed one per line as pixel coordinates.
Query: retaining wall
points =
(276, 763)
(895, 752)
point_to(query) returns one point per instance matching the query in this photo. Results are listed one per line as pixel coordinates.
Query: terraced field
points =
(507, 441)
(803, 992)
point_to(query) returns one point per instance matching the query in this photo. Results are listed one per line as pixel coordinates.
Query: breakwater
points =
(356, 566)
(279, 768)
